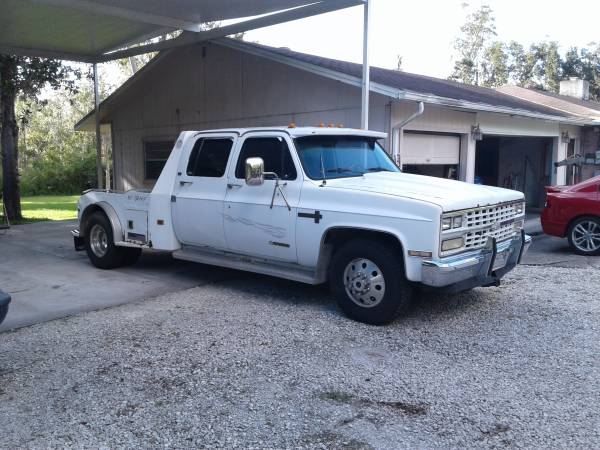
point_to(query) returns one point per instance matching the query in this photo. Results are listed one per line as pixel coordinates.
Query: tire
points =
(3, 312)
(584, 236)
(368, 280)
(100, 244)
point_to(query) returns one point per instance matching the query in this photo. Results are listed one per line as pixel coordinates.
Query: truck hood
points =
(450, 195)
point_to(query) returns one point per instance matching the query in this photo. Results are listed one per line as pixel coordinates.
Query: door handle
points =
(185, 183)
(232, 185)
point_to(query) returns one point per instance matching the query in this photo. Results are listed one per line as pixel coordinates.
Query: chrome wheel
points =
(364, 282)
(98, 241)
(586, 236)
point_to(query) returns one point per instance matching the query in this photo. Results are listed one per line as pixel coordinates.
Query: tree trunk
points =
(9, 139)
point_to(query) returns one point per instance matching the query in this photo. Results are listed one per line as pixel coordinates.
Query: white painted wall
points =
(502, 124)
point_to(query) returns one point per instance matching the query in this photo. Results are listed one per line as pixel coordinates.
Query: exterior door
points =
(200, 190)
(252, 226)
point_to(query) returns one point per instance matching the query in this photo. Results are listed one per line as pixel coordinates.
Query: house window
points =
(156, 154)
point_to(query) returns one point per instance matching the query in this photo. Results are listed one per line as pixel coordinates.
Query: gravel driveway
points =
(255, 362)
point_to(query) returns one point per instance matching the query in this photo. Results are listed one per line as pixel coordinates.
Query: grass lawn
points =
(49, 207)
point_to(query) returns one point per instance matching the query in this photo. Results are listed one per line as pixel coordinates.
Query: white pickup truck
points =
(313, 205)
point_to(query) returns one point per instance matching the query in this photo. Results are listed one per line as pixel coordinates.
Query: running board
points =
(241, 262)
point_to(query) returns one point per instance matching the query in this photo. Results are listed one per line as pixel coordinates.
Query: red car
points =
(574, 212)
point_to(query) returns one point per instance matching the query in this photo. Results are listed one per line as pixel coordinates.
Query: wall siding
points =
(208, 86)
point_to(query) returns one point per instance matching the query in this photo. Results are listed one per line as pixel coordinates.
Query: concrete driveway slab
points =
(552, 251)
(47, 279)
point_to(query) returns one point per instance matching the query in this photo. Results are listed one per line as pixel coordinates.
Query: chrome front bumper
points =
(479, 268)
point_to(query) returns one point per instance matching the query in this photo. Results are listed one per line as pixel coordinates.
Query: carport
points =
(96, 31)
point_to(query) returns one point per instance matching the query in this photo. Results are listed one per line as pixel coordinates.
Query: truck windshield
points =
(328, 157)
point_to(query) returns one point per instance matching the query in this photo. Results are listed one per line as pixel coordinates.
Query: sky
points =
(423, 31)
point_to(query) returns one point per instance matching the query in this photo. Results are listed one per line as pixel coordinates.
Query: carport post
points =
(366, 75)
(98, 135)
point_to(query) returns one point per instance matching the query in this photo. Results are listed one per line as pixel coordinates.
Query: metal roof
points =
(90, 30)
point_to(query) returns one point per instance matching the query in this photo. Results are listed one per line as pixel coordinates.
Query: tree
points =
(470, 46)
(548, 68)
(22, 77)
(494, 66)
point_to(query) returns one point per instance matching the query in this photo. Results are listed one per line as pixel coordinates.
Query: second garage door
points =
(436, 155)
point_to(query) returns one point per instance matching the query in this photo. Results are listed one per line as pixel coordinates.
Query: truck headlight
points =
(446, 223)
(451, 222)
(452, 244)
(519, 208)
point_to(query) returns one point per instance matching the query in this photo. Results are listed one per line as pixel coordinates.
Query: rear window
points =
(209, 158)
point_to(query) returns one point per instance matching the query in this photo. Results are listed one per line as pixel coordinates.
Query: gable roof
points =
(577, 107)
(409, 85)
(392, 83)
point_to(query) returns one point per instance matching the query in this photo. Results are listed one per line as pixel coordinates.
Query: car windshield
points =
(328, 157)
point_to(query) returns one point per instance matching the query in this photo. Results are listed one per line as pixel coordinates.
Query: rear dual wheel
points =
(100, 245)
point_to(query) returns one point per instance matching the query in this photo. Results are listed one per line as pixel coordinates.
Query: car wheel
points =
(368, 280)
(100, 245)
(584, 236)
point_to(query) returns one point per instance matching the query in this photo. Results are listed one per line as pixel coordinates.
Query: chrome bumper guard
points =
(479, 268)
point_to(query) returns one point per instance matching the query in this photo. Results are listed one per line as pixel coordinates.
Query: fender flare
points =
(110, 212)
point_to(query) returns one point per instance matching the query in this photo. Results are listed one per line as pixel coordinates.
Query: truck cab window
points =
(275, 153)
(209, 158)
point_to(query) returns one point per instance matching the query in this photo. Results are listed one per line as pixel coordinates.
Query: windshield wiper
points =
(378, 169)
(339, 170)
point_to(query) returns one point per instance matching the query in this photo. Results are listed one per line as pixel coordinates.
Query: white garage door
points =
(420, 148)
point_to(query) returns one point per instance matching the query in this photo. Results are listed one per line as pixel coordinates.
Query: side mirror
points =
(255, 171)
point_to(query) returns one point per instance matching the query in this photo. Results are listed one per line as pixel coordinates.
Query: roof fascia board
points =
(593, 115)
(125, 13)
(443, 101)
(301, 12)
(36, 53)
(318, 70)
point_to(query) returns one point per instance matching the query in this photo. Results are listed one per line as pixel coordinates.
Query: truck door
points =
(199, 193)
(252, 227)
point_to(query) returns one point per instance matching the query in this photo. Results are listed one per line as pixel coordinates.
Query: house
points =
(465, 132)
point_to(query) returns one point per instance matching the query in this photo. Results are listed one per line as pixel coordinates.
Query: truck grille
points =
(488, 222)
(490, 215)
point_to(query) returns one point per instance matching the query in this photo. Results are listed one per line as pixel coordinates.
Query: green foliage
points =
(55, 158)
(470, 46)
(495, 65)
(481, 61)
(49, 208)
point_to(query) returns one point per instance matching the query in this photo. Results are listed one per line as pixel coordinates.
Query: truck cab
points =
(313, 205)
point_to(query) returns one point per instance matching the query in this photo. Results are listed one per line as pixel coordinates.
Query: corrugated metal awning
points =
(89, 30)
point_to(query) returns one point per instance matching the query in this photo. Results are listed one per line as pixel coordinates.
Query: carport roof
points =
(89, 30)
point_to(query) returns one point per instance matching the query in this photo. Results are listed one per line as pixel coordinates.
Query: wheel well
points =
(335, 237)
(87, 213)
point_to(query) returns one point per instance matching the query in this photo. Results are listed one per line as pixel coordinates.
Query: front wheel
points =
(584, 236)
(368, 281)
